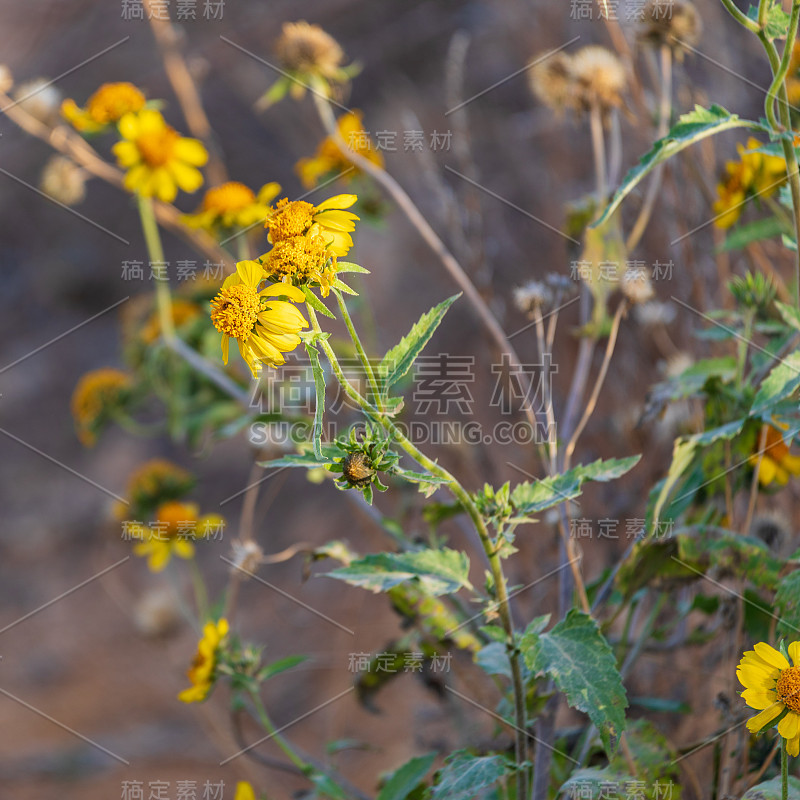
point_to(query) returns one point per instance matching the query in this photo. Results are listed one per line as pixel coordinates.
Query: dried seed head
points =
(599, 78)
(654, 313)
(63, 180)
(357, 468)
(308, 49)
(156, 613)
(246, 556)
(551, 81)
(636, 286)
(532, 297)
(677, 25)
(40, 99)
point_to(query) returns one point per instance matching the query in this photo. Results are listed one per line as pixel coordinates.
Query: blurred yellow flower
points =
(183, 311)
(329, 159)
(157, 158)
(108, 104)
(295, 218)
(153, 483)
(172, 532)
(232, 205)
(202, 673)
(757, 174)
(95, 398)
(777, 463)
(244, 791)
(264, 329)
(772, 686)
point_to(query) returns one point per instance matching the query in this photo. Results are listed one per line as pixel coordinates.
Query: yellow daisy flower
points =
(96, 396)
(202, 673)
(772, 686)
(158, 159)
(300, 260)
(777, 463)
(295, 218)
(108, 104)
(155, 482)
(264, 329)
(329, 159)
(232, 205)
(171, 533)
(757, 174)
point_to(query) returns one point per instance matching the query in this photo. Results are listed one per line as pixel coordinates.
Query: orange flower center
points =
(290, 219)
(231, 196)
(234, 311)
(176, 516)
(158, 147)
(788, 688)
(113, 100)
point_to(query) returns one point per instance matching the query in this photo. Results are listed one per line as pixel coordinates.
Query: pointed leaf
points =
(348, 266)
(782, 381)
(399, 360)
(405, 779)
(319, 386)
(578, 658)
(464, 776)
(316, 303)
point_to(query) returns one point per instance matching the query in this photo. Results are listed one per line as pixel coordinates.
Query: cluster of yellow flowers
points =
(754, 174)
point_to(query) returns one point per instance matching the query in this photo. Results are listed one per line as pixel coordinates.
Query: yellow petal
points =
(759, 700)
(756, 723)
(794, 652)
(767, 471)
(191, 151)
(250, 272)
(793, 746)
(185, 549)
(223, 628)
(188, 178)
(789, 726)
(753, 678)
(338, 201)
(129, 126)
(159, 557)
(791, 464)
(225, 342)
(277, 289)
(244, 791)
(772, 656)
(127, 154)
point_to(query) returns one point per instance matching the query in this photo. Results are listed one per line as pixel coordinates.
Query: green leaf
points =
(348, 266)
(326, 787)
(283, 665)
(319, 385)
(436, 571)
(405, 779)
(578, 658)
(274, 94)
(308, 460)
(316, 303)
(690, 128)
(465, 775)
(782, 381)
(771, 790)
(399, 360)
(343, 287)
(755, 231)
(493, 659)
(777, 21)
(530, 498)
(790, 314)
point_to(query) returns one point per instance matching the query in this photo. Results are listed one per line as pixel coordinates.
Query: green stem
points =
(784, 771)
(199, 587)
(242, 247)
(303, 766)
(779, 73)
(763, 5)
(741, 18)
(360, 350)
(152, 239)
(489, 547)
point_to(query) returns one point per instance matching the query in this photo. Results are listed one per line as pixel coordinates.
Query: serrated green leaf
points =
(349, 266)
(464, 776)
(438, 572)
(782, 382)
(399, 360)
(690, 128)
(530, 498)
(755, 231)
(317, 304)
(777, 21)
(493, 659)
(405, 779)
(578, 658)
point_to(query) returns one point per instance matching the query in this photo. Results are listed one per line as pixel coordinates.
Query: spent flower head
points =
(109, 104)
(40, 99)
(97, 397)
(232, 205)
(63, 180)
(677, 25)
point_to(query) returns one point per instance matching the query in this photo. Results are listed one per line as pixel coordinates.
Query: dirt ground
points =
(81, 669)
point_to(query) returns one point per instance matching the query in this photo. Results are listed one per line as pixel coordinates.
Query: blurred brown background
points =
(83, 661)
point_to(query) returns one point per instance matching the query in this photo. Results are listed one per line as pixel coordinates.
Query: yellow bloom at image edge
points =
(158, 160)
(772, 685)
(244, 791)
(202, 673)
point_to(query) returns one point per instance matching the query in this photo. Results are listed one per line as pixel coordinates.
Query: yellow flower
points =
(288, 219)
(302, 259)
(244, 791)
(772, 686)
(96, 396)
(158, 159)
(757, 174)
(202, 673)
(264, 329)
(175, 525)
(777, 463)
(232, 205)
(329, 159)
(153, 483)
(108, 104)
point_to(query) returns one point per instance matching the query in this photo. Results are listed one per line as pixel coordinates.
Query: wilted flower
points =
(551, 81)
(109, 104)
(636, 286)
(63, 180)
(532, 296)
(676, 24)
(97, 396)
(40, 99)
(156, 613)
(655, 313)
(599, 78)
(246, 556)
